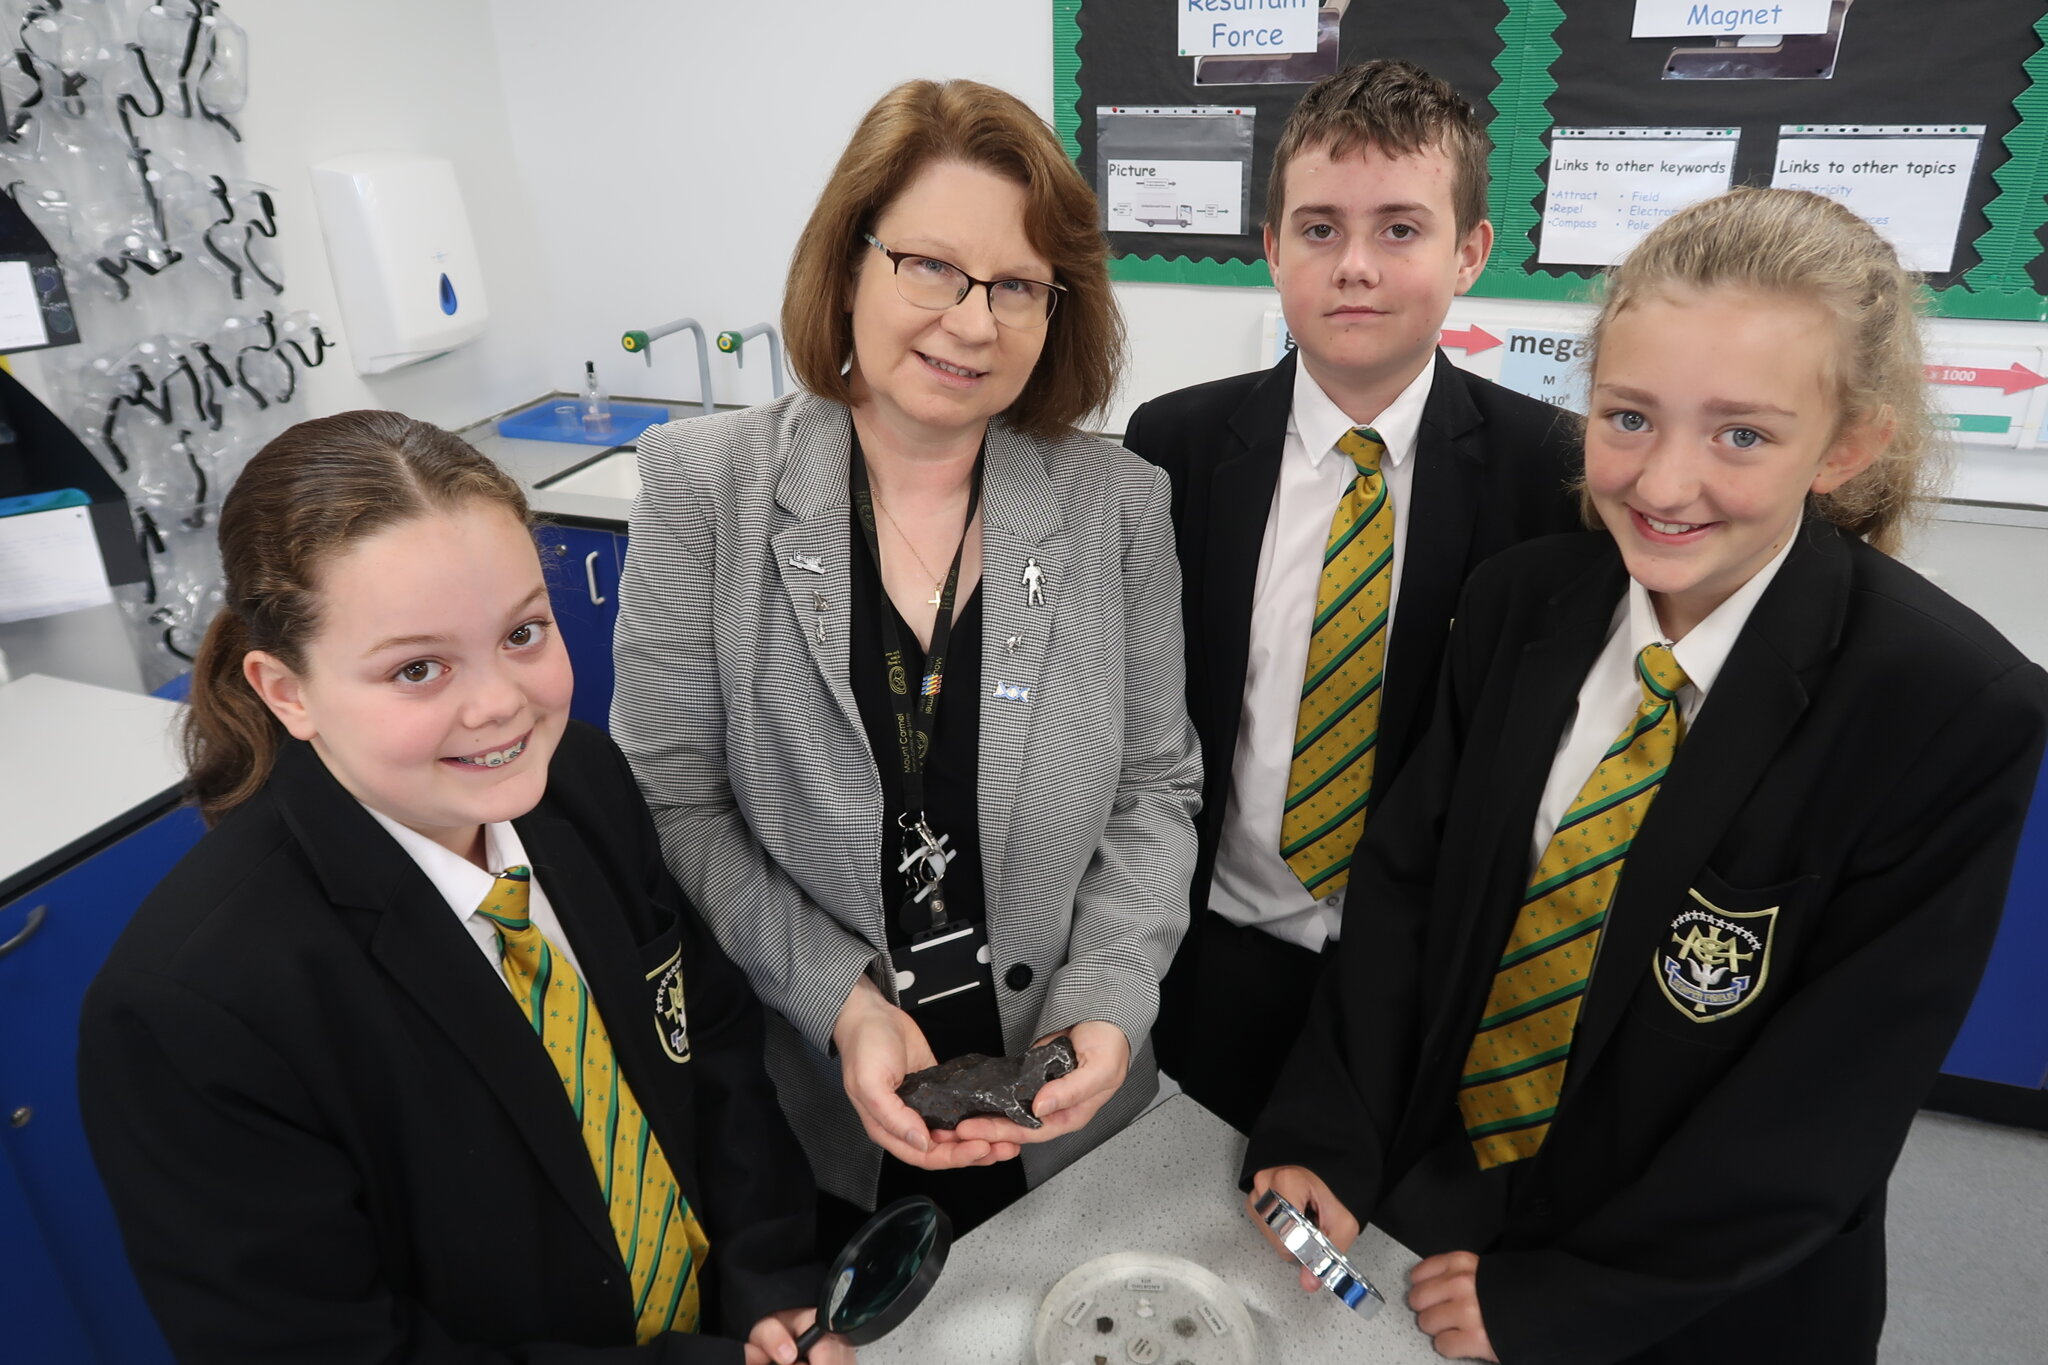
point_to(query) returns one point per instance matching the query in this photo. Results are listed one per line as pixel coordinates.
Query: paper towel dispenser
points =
(404, 263)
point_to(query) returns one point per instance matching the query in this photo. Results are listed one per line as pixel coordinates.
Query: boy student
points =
(1328, 511)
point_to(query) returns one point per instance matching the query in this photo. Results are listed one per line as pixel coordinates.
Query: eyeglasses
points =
(938, 285)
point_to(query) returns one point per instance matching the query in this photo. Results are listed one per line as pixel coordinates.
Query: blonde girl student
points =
(420, 1055)
(1678, 909)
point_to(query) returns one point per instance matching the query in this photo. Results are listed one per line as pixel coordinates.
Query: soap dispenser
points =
(597, 404)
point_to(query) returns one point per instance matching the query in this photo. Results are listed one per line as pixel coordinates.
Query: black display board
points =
(1530, 64)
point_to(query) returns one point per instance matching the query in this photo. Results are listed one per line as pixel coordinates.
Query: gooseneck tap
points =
(734, 344)
(642, 342)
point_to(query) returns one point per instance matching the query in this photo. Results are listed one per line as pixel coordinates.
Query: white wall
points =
(399, 75)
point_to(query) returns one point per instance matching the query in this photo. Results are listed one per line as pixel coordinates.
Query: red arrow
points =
(2016, 379)
(1473, 340)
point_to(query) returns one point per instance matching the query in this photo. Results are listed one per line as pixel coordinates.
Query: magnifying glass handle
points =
(810, 1338)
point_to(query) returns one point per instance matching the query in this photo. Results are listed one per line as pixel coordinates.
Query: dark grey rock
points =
(974, 1084)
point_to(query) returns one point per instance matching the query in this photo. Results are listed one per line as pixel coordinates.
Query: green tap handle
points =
(729, 342)
(635, 342)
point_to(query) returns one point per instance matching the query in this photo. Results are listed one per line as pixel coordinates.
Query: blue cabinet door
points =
(584, 585)
(2005, 1038)
(37, 1316)
(42, 983)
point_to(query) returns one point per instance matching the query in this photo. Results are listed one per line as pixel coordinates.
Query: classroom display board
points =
(1606, 116)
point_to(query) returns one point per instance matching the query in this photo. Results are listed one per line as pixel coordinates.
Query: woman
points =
(1680, 906)
(998, 853)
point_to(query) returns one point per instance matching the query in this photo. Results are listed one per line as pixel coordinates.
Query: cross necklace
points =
(938, 580)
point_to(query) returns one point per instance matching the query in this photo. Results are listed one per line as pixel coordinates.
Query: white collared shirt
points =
(1609, 696)
(1253, 884)
(464, 885)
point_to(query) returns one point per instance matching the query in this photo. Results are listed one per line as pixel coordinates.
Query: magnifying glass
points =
(1305, 1241)
(883, 1273)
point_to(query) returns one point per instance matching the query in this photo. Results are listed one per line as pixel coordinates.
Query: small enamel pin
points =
(1011, 692)
(1034, 583)
(1011, 644)
(808, 563)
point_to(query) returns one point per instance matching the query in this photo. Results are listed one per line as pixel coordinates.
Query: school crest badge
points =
(670, 1022)
(1715, 961)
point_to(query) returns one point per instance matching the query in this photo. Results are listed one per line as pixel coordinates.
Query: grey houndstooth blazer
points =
(742, 728)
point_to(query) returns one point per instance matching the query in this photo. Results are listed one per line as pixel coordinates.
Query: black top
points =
(968, 1022)
(1861, 846)
(312, 1100)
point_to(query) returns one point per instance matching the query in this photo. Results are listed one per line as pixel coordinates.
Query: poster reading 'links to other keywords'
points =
(1908, 181)
(1609, 186)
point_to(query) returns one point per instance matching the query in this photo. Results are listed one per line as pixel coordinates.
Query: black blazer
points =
(1862, 765)
(1491, 470)
(330, 1135)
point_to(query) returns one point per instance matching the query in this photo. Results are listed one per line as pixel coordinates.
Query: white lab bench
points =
(82, 763)
(1168, 1183)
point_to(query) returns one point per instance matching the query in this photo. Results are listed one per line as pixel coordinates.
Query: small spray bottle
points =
(597, 404)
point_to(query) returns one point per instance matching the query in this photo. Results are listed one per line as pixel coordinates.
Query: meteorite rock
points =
(973, 1084)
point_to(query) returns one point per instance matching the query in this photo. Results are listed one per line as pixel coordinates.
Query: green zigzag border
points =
(2019, 210)
(1998, 287)
(1529, 47)
(1066, 74)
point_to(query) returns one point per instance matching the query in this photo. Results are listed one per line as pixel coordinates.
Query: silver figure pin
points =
(1034, 583)
(808, 563)
(818, 605)
(1012, 643)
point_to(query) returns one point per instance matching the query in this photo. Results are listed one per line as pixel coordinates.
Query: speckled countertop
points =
(1168, 1183)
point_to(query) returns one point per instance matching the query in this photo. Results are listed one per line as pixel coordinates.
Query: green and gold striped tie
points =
(659, 1236)
(1515, 1070)
(1329, 782)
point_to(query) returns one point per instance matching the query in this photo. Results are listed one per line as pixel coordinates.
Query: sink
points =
(613, 473)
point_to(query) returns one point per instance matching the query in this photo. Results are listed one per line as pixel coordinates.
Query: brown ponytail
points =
(308, 495)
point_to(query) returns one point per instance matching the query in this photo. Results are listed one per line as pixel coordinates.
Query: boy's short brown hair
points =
(1397, 107)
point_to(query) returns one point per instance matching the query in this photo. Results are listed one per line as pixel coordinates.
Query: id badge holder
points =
(945, 963)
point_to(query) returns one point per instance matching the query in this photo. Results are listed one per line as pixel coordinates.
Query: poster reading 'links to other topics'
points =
(1609, 186)
(1909, 182)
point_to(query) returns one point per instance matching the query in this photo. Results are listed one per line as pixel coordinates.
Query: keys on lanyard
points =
(926, 856)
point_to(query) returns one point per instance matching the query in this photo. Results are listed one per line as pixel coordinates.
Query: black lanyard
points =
(925, 852)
